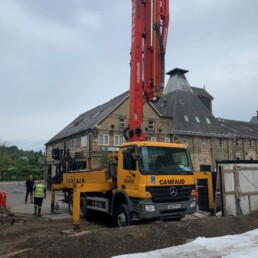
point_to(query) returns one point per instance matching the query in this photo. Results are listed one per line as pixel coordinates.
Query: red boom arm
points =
(150, 20)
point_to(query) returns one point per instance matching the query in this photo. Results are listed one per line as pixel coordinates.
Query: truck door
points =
(128, 173)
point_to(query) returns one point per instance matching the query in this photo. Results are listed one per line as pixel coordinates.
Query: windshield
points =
(164, 161)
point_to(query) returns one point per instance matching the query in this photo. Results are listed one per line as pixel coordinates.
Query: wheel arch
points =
(120, 197)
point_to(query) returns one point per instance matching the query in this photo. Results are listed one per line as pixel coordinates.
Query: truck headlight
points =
(193, 204)
(150, 208)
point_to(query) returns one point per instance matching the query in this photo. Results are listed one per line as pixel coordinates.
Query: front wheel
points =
(123, 216)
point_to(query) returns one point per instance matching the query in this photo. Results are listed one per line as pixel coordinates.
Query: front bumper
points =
(161, 210)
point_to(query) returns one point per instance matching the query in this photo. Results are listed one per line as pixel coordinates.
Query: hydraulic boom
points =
(150, 20)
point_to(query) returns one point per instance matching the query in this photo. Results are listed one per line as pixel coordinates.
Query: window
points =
(236, 141)
(238, 156)
(129, 161)
(86, 119)
(72, 143)
(118, 140)
(251, 143)
(221, 143)
(186, 118)
(78, 155)
(96, 114)
(84, 141)
(167, 139)
(121, 122)
(104, 139)
(205, 168)
(204, 143)
(208, 120)
(197, 119)
(185, 141)
(164, 161)
(49, 151)
(153, 139)
(151, 125)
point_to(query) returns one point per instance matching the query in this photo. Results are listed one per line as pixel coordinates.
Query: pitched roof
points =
(254, 119)
(181, 103)
(240, 129)
(89, 119)
(201, 93)
(189, 114)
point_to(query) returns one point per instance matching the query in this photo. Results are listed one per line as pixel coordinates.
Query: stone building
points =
(184, 114)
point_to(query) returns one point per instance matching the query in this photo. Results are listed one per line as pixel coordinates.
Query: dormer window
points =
(186, 118)
(197, 119)
(208, 120)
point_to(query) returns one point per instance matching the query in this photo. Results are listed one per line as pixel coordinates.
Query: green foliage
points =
(16, 164)
(104, 159)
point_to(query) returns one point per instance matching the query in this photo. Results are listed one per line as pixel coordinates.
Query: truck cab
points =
(155, 180)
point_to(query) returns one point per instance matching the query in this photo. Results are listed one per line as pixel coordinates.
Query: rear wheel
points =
(70, 204)
(123, 216)
(83, 206)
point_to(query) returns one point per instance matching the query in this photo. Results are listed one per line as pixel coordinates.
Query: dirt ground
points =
(39, 237)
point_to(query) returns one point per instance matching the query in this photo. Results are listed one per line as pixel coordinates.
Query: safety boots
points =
(35, 210)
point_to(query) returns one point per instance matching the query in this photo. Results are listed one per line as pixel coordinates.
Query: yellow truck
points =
(145, 180)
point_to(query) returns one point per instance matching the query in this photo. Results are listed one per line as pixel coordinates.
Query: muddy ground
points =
(39, 237)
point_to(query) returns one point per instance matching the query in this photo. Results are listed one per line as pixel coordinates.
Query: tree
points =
(19, 164)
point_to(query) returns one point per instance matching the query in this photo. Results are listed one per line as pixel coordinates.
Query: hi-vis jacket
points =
(39, 191)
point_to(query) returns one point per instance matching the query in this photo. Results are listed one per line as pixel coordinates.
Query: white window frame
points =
(204, 142)
(151, 125)
(221, 143)
(153, 139)
(103, 140)
(49, 150)
(84, 140)
(236, 142)
(251, 143)
(167, 139)
(121, 122)
(118, 140)
(73, 144)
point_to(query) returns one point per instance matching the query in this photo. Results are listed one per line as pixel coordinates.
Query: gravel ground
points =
(43, 237)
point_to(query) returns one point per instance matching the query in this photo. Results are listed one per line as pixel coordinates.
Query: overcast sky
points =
(60, 58)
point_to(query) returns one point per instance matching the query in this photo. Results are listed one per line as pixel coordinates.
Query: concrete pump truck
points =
(148, 180)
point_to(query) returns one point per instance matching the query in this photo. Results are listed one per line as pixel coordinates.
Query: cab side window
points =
(129, 161)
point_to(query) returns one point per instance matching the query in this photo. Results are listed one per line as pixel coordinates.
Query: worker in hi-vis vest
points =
(39, 193)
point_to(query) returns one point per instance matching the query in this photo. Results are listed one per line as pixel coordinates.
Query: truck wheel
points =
(83, 206)
(70, 204)
(123, 216)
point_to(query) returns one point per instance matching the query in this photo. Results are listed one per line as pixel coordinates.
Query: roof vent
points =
(177, 81)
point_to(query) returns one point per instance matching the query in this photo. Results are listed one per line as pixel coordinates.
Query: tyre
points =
(70, 204)
(123, 216)
(83, 206)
